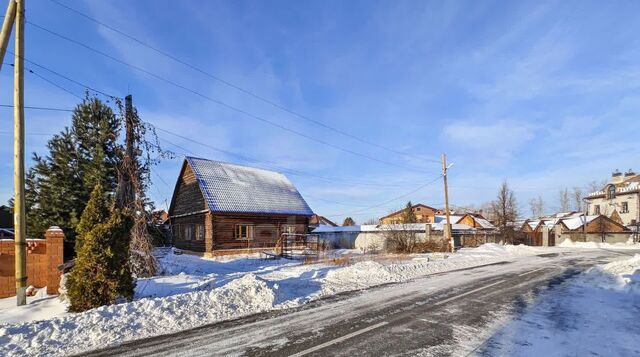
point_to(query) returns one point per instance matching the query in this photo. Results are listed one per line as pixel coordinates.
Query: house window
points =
(188, 232)
(596, 209)
(418, 209)
(289, 229)
(611, 192)
(625, 207)
(177, 230)
(199, 232)
(244, 231)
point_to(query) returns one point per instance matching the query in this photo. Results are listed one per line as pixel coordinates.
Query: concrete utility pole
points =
(18, 158)
(7, 26)
(447, 229)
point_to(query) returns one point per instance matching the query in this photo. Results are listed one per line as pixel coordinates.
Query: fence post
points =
(54, 239)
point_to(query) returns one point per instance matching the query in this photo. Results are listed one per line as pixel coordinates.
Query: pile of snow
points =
(502, 250)
(568, 243)
(358, 276)
(111, 325)
(622, 275)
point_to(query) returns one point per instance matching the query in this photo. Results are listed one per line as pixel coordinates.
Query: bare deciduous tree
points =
(371, 221)
(537, 207)
(505, 210)
(578, 205)
(400, 237)
(564, 200)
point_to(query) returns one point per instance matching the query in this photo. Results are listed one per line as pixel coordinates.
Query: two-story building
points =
(619, 199)
(423, 213)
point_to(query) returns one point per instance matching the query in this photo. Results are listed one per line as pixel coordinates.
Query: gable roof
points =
(317, 219)
(231, 188)
(412, 207)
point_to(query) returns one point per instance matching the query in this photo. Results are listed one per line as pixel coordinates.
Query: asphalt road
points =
(450, 313)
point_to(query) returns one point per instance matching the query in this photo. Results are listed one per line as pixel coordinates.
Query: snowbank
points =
(622, 275)
(110, 325)
(568, 243)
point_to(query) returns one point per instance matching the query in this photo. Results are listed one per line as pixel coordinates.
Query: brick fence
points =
(43, 258)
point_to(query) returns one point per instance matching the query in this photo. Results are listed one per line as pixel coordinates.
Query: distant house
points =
(593, 228)
(619, 199)
(424, 214)
(472, 220)
(317, 220)
(220, 208)
(475, 221)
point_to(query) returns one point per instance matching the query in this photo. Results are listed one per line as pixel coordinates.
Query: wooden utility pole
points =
(18, 158)
(447, 229)
(7, 26)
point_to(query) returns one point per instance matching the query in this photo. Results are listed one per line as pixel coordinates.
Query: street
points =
(451, 313)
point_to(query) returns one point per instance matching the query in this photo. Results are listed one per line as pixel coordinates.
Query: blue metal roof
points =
(242, 189)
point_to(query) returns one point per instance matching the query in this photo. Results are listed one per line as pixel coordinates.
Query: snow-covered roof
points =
(484, 223)
(577, 222)
(235, 188)
(533, 224)
(454, 227)
(391, 227)
(323, 228)
(443, 218)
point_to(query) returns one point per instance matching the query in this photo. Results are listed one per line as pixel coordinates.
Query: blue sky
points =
(543, 94)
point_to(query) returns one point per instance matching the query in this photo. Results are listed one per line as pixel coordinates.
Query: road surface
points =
(451, 313)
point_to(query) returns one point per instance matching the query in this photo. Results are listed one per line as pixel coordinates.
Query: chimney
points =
(629, 174)
(616, 177)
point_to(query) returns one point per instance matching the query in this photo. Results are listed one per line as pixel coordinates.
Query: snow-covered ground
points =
(595, 314)
(194, 291)
(567, 243)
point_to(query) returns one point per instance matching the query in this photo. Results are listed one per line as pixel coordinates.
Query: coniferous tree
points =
(101, 273)
(408, 216)
(96, 212)
(59, 184)
(349, 222)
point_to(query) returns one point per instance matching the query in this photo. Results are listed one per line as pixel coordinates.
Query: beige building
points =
(424, 214)
(619, 199)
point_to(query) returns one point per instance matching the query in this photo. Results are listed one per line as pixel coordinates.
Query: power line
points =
(39, 108)
(221, 103)
(67, 78)
(268, 164)
(231, 85)
(391, 200)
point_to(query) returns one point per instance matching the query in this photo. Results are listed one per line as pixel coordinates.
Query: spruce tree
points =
(59, 184)
(101, 274)
(349, 222)
(408, 216)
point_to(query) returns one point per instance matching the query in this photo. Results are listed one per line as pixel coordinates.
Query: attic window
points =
(611, 192)
(417, 209)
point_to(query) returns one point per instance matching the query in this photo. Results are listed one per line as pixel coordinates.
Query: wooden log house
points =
(221, 208)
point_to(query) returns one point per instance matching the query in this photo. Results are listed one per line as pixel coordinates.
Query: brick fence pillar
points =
(54, 237)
